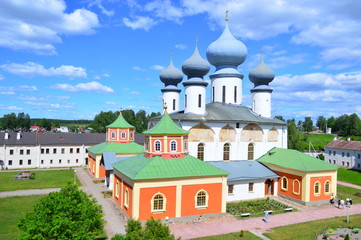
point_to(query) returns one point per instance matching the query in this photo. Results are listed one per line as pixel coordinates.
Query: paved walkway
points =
(28, 192)
(113, 222)
(349, 185)
(257, 224)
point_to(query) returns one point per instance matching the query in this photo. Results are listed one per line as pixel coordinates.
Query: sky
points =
(73, 59)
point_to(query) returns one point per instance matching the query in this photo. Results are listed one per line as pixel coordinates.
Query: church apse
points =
(201, 132)
(252, 133)
(227, 134)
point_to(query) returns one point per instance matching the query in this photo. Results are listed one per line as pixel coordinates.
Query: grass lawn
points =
(308, 230)
(318, 140)
(12, 210)
(349, 176)
(347, 192)
(230, 236)
(43, 179)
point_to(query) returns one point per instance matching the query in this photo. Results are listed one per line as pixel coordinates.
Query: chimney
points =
(18, 136)
(6, 135)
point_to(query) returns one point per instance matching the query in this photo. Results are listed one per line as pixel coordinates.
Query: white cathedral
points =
(223, 129)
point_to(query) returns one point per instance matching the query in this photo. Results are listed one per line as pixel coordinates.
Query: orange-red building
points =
(119, 140)
(166, 182)
(303, 178)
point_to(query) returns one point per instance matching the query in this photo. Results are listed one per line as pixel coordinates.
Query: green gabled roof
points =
(166, 126)
(293, 159)
(140, 167)
(120, 122)
(116, 147)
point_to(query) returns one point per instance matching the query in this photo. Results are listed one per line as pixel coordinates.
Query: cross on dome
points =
(226, 15)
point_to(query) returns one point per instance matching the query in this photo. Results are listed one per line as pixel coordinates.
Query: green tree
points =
(280, 118)
(9, 121)
(102, 120)
(294, 138)
(23, 121)
(354, 125)
(307, 124)
(331, 122)
(154, 114)
(129, 116)
(321, 123)
(45, 123)
(67, 214)
(141, 121)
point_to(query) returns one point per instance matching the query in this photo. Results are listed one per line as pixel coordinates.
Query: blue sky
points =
(73, 59)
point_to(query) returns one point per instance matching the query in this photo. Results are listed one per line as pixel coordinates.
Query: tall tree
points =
(307, 124)
(321, 123)
(68, 214)
(102, 120)
(129, 115)
(141, 121)
(280, 118)
(45, 123)
(294, 138)
(331, 122)
(354, 125)
(9, 121)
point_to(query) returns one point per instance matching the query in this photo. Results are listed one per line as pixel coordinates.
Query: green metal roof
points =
(140, 167)
(120, 122)
(293, 159)
(116, 147)
(166, 126)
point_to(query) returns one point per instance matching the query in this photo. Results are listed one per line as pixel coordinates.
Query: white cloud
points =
(28, 88)
(96, 77)
(134, 93)
(157, 67)
(18, 89)
(31, 69)
(137, 68)
(106, 75)
(94, 87)
(7, 93)
(1, 77)
(110, 103)
(181, 46)
(45, 105)
(63, 97)
(11, 108)
(137, 107)
(99, 4)
(126, 89)
(140, 22)
(32, 98)
(36, 26)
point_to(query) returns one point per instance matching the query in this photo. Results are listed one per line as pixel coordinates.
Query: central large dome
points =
(226, 50)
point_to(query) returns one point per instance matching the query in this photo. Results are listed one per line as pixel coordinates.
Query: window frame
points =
(318, 185)
(173, 146)
(327, 186)
(251, 187)
(116, 189)
(231, 189)
(226, 152)
(293, 187)
(198, 200)
(284, 183)
(157, 146)
(159, 204)
(200, 151)
(112, 135)
(250, 152)
(123, 135)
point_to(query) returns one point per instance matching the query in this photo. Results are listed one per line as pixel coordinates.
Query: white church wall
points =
(241, 190)
(230, 83)
(261, 103)
(168, 98)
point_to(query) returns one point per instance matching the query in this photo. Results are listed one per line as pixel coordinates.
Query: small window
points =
(47, 151)
(250, 187)
(29, 161)
(200, 152)
(158, 202)
(11, 152)
(343, 163)
(157, 146)
(21, 152)
(223, 94)
(237, 125)
(117, 189)
(250, 151)
(235, 94)
(77, 150)
(126, 198)
(348, 154)
(202, 199)
(123, 135)
(173, 146)
(284, 184)
(343, 154)
(86, 150)
(54, 150)
(348, 164)
(230, 189)
(173, 104)
(28, 151)
(68, 161)
(76, 160)
(317, 187)
(131, 134)
(185, 100)
(20, 162)
(327, 187)
(10, 162)
(359, 156)
(358, 165)
(42, 161)
(42, 151)
(334, 153)
(59, 161)
(71, 150)
(213, 94)
(329, 152)
(51, 161)
(62, 150)
(226, 150)
(199, 100)
(334, 161)
(329, 160)
(185, 145)
(113, 135)
(296, 187)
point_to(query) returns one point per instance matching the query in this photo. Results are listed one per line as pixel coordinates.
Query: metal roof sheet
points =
(166, 126)
(120, 122)
(222, 112)
(289, 158)
(140, 167)
(109, 158)
(347, 145)
(244, 169)
(116, 148)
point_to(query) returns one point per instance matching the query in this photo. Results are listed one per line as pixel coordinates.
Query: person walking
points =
(339, 202)
(266, 216)
(342, 203)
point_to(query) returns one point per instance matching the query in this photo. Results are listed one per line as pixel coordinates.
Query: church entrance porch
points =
(269, 187)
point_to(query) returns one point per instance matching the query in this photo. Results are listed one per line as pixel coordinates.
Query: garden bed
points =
(256, 208)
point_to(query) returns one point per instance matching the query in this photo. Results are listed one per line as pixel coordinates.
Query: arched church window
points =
(123, 134)
(131, 135)
(113, 134)
(327, 186)
(126, 198)
(185, 145)
(200, 151)
(157, 146)
(284, 184)
(173, 146)
(250, 151)
(317, 187)
(158, 202)
(201, 199)
(226, 150)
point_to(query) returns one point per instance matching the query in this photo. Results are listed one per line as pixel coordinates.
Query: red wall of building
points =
(189, 192)
(127, 210)
(289, 192)
(322, 195)
(101, 172)
(146, 195)
(120, 200)
(91, 163)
